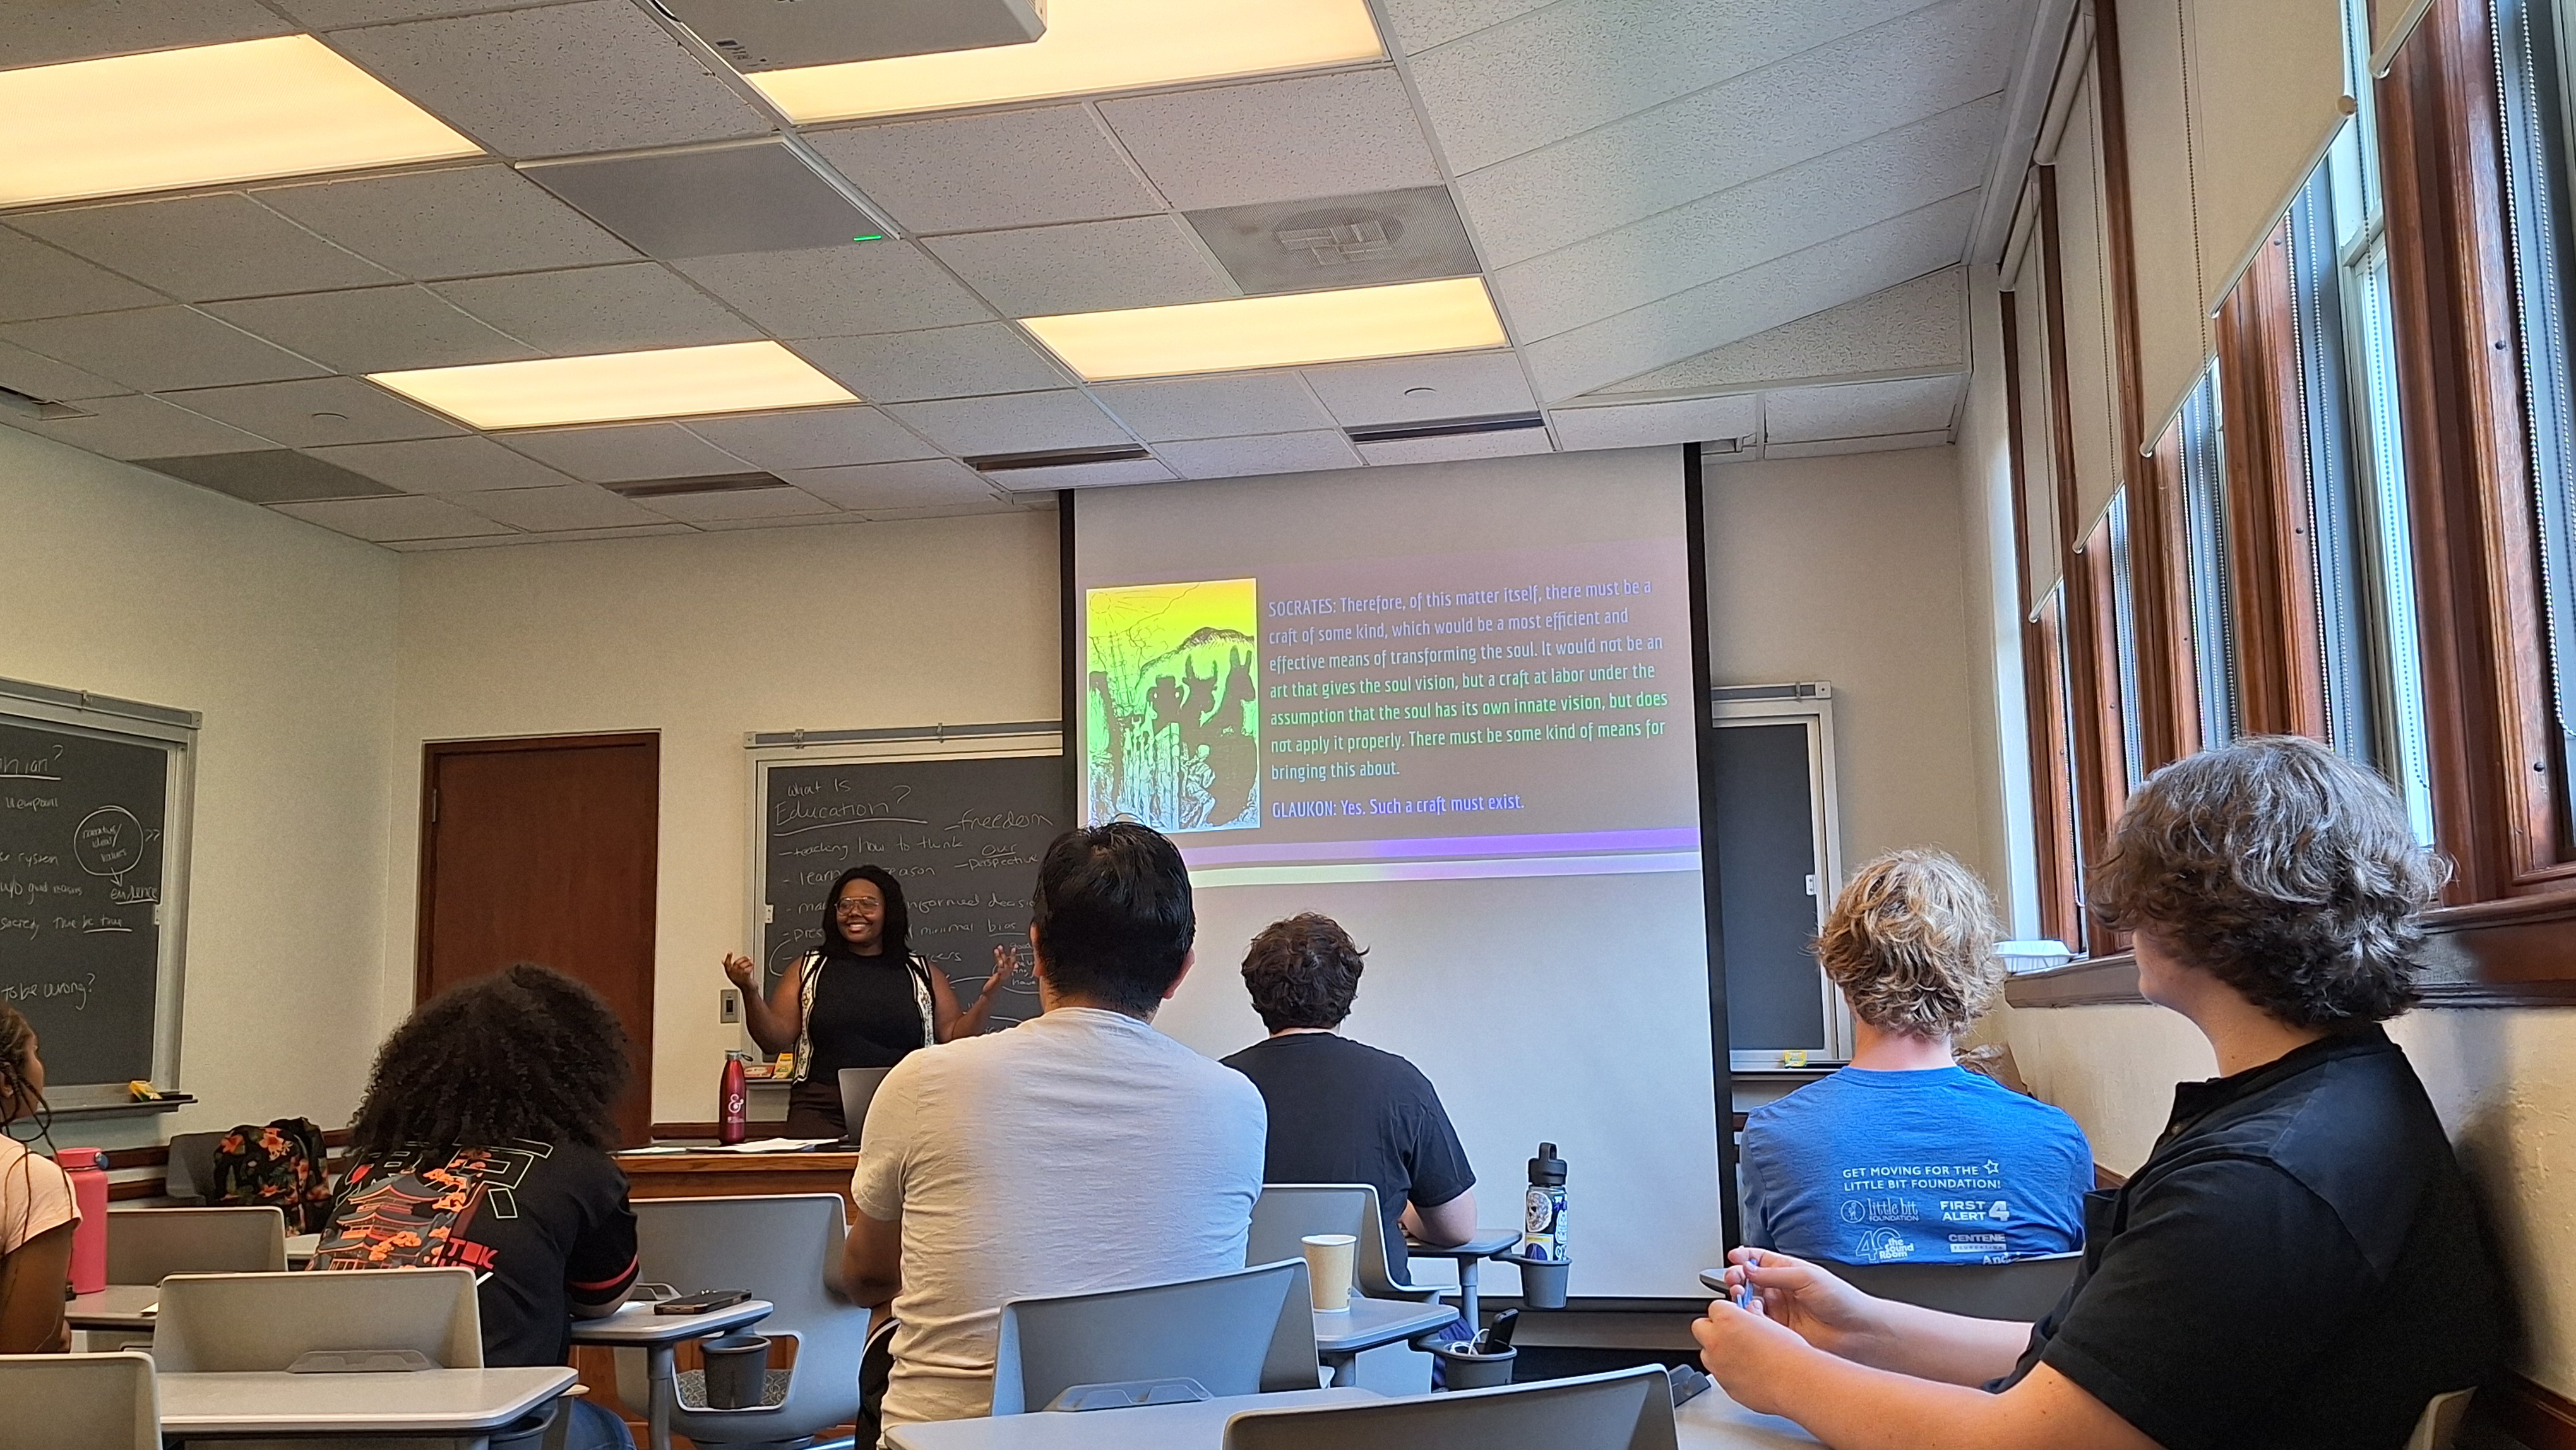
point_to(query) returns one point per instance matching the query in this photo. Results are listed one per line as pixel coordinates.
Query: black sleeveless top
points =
(864, 1015)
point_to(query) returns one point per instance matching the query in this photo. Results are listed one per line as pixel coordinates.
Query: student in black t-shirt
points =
(2297, 1265)
(1341, 1112)
(483, 1142)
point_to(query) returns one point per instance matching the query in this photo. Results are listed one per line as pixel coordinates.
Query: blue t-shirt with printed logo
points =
(1937, 1166)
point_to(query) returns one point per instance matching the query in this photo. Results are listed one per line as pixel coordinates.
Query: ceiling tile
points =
(373, 329)
(341, 14)
(1003, 169)
(812, 438)
(1012, 423)
(138, 427)
(565, 536)
(40, 281)
(622, 452)
(598, 76)
(455, 222)
(42, 378)
(1084, 475)
(1831, 447)
(1374, 237)
(1216, 407)
(1460, 385)
(1919, 326)
(1567, 68)
(783, 501)
(839, 291)
(380, 520)
(1273, 453)
(1421, 24)
(1464, 445)
(1799, 206)
(273, 475)
(570, 506)
(928, 483)
(313, 412)
(940, 362)
(201, 247)
(1800, 108)
(703, 201)
(443, 465)
(1638, 425)
(599, 309)
(49, 32)
(1086, 266)
(1861, 410)
(1311, 136)
(159, 348)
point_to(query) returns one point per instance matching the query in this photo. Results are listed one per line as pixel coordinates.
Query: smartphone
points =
(702, 1301)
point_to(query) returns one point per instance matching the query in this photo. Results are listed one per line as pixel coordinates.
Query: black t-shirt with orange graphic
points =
(546, 1225)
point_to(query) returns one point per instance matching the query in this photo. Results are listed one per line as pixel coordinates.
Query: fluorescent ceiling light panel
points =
(1292, 330)
(1090, 46)
(620, 387)
(287, 106)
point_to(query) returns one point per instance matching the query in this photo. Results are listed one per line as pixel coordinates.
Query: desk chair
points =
(2023, 1290)
(2440, 1424)
(231, 1323)
(84, 1401)
(1286, 1212)
(191, 1171)
(1248, 1332)
(148, 1245)
(1629, 1410)
(785, 1248)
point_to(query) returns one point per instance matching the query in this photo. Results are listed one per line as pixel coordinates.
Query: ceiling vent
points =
(269, 475)
(1412, 235)
(698, 487)
(708, 201)
(759, 35)
(26, 405)
(1447, 428)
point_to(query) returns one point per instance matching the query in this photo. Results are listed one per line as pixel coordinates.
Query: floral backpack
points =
(280, 1165)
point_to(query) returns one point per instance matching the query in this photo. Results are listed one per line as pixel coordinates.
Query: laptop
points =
(858, 1089)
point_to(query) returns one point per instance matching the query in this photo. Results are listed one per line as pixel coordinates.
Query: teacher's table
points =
(434, 1407)
(698, 1174)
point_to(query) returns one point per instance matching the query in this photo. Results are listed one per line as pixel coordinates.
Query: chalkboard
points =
(962, 835)
(85, 853)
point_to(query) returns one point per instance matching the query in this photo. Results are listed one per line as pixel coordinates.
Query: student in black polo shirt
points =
(2297, 1264)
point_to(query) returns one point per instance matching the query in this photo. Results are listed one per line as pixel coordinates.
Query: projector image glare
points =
(763, 35)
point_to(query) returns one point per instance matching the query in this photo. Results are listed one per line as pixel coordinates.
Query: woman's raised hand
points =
(742, 969)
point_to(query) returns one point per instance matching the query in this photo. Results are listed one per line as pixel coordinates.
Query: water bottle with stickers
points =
(1543, 1253)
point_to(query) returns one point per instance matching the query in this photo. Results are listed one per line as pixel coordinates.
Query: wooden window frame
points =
(2055, 774)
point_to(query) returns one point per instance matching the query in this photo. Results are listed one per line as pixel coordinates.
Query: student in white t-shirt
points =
(36, 1208)
(1078, 1151)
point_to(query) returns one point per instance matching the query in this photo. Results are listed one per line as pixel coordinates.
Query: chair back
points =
(1286, 1212)
(785, 1248)
(1241, 1333)
(191, 1172)
(148, 1245)
(83, 1401)
(2440, 1422)
(1631, 1409)
(234, 1323)
(2022, 1291)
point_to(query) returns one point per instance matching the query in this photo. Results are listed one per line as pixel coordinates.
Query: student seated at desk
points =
(1080, 1150)
(483, 1141)
(37, 1211)
(2297, 1265)
(1340, 1111)
(1858, 1167)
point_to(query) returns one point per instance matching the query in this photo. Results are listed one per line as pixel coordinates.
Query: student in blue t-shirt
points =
(1904, 1156)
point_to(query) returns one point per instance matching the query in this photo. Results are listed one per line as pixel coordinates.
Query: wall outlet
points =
(729, 1006)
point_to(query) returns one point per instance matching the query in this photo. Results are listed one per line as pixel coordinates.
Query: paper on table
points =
(777, 1145)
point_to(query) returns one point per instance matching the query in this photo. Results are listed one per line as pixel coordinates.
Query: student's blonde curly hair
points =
(1912, 943)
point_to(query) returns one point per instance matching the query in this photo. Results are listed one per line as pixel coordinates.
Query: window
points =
(2205, 561)
(2061, 911)
(2124, 631)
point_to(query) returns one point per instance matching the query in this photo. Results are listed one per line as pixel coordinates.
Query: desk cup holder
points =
(737, 1371)
(1462, 1368)
(1542, 1280)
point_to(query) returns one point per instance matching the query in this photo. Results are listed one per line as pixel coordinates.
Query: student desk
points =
(1486, 1243)
(118, 1308)
(451, 1406)
(1368, 1323)
(732, 1175)
(636, 1326)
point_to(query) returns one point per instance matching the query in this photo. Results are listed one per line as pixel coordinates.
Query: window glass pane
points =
(2204, 500)
(2339, 541)
(2373, 356)
(2124, 627)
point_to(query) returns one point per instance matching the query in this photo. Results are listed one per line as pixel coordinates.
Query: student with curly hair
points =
(2297, 1265)
(483, 1141)
(37, 1211)
(1904, 1156)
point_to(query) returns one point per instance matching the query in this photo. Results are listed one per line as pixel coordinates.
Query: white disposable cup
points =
(1328, 1268)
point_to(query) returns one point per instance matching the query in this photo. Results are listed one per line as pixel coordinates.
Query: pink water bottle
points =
(87, 1169)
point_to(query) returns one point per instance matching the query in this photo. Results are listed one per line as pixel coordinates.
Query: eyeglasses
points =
(854, 908)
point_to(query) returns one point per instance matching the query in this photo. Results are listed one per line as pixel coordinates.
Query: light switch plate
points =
(729, 1010)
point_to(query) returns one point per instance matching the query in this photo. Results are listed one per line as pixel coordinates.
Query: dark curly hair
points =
(2282, 869)
(895, 936)
(1114, 916)
(1303, 972)
(526, 1053)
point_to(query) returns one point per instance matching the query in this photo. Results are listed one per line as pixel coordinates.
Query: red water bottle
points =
(734, 1120)
(87, 1169)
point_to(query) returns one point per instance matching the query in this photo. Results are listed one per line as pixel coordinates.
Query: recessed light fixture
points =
(286, 106)
(1090, 46)
(1450, 315)
(620, 387)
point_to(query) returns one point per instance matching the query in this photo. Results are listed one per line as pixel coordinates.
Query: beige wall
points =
(704, 638)
(123, 582)
(1852, 570)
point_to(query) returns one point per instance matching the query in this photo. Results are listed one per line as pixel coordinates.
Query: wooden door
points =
(544, 850)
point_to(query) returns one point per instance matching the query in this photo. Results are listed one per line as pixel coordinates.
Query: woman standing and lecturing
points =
(859, 999)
